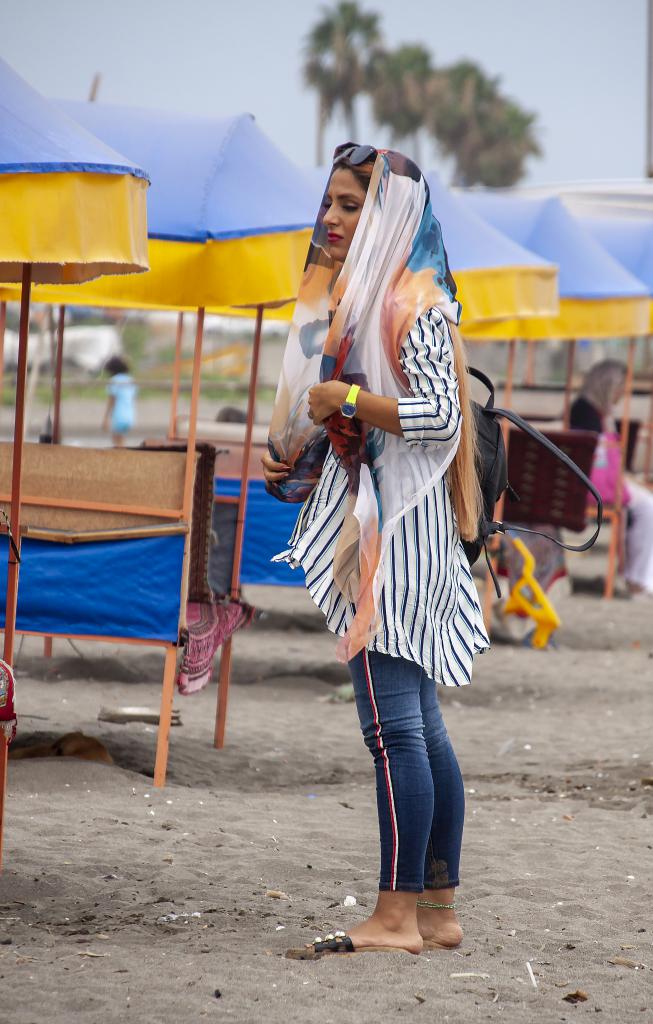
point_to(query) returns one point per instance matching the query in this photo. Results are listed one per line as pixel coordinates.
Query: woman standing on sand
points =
(372, 430)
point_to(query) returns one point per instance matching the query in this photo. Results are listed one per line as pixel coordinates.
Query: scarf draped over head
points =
(350, 323)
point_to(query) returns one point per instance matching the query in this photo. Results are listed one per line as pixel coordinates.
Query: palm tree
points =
(338, 52)
(400, 91)
(489, 136)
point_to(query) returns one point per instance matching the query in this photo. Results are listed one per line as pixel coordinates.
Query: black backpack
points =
(493, 476)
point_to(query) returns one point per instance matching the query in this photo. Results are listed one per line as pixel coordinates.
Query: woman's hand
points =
(325, 399)
(274, 472)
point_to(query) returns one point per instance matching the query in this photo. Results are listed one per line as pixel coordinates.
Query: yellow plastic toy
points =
(528, 598)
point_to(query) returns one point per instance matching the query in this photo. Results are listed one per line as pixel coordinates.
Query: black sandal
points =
(338, 942)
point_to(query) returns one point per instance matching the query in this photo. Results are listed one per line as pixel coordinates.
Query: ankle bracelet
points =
(436, 906)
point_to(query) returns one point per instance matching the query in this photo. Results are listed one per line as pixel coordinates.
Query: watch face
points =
(348, 409)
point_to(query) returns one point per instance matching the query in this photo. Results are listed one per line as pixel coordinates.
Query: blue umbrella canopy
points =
(627, 239)
(212, 178)
(228, 213)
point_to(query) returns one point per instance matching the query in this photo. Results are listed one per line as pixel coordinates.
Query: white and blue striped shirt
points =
(429, 606)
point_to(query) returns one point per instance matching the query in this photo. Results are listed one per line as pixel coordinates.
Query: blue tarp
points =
(117, 588)
(627, 239)
(36, 137)
(471, 243)
(212, 178)
(268, 525)
(547, 228)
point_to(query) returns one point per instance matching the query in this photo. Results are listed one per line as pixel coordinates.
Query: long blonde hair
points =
(463, 471)
(603, 384)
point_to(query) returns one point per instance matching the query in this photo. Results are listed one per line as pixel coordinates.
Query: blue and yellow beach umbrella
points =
(599, 297)
(71, 209)
(630, 241)
(496, 276)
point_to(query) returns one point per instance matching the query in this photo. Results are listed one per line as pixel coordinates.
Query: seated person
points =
(593, 409)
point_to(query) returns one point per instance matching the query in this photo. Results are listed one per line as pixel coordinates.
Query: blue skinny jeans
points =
(419, 788)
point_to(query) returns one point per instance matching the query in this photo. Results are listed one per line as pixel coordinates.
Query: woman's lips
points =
(333, 238)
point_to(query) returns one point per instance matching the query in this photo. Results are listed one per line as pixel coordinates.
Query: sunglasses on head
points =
(354, 154)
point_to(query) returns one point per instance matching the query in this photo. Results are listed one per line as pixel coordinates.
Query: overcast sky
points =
(579, 64)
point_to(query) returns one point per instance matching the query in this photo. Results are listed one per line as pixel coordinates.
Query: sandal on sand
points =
(339, 942)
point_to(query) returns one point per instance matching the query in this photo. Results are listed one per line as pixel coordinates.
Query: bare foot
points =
(375, 932)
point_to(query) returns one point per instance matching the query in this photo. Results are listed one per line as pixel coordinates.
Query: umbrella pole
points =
(17, 464)
(648, 455)
(189, 478)
(58, 373)
(225, 658)
(529, 371)
(174, 398)
(569, 383)
(617, 532)
(56, 419)
(16, 472)
(3, 324)
(488, 593)
(510, 373)
(169, 671)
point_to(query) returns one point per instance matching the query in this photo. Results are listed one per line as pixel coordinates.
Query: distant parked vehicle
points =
(86, 347)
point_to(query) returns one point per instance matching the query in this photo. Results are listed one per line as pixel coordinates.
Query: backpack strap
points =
(518, 421)
(486, 382)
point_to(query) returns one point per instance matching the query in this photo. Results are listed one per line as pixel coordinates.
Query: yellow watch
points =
(348, 407)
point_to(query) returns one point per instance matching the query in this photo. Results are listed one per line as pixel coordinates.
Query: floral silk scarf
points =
(350, 323)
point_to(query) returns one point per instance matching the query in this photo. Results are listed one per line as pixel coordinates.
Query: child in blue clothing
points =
(119, 416)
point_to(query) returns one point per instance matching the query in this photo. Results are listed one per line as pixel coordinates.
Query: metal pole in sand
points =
(176, 370)
(168, 687)
(569, 383)
(58, 374)
(16, 479)
(616, 532)
(225, 658)
(3, 324)
(488, 593)
(648, 453)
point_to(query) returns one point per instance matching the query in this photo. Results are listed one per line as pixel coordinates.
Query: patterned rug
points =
(209, 625)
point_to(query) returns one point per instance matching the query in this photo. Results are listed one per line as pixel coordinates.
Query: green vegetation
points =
(134, 338)
(218, 390)
(339, 51)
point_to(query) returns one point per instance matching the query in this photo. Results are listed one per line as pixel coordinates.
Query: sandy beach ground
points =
(557, 860)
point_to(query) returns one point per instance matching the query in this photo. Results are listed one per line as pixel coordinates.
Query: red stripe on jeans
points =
(386, 768)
